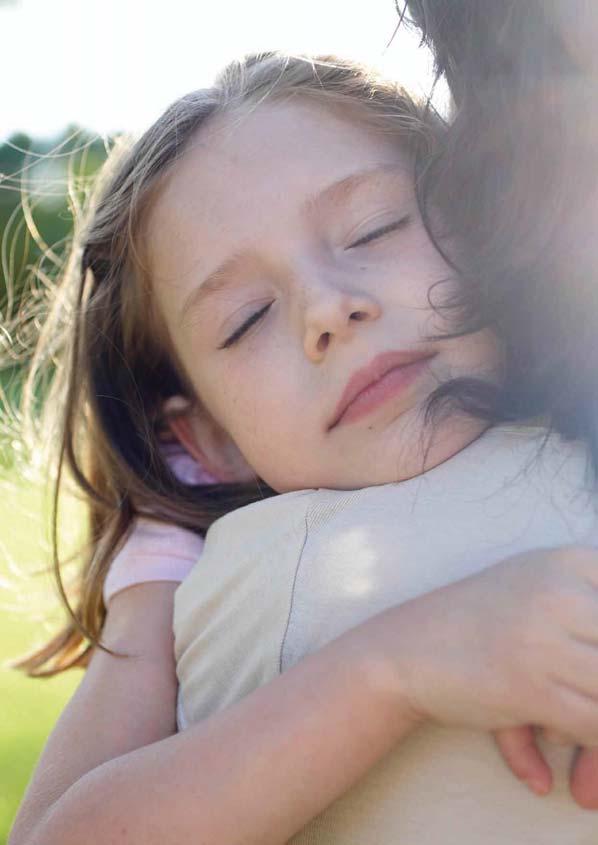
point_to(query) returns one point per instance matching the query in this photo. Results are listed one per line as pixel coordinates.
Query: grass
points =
(29, 707)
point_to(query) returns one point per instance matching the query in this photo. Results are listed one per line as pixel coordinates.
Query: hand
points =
(516, 644)
(520, 751)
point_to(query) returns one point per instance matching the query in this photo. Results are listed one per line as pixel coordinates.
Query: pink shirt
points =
(154, 552)
(158, 551)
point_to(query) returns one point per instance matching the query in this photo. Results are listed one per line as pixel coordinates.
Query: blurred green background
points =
(36, 177)
(30, 706)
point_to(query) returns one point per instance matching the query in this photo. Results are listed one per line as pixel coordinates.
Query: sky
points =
(114, 65)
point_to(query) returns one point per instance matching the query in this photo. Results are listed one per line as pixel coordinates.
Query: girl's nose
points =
(331, 316)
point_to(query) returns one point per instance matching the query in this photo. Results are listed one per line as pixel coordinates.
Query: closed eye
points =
(238, 333)
(379, 233)
(371, 236)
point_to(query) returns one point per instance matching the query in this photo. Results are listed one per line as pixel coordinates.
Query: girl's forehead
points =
(250, 125)
(273, 155)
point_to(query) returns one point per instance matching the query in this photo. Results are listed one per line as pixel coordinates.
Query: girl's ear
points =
(206, 441)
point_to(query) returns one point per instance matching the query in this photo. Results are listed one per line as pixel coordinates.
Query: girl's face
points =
(287, 254)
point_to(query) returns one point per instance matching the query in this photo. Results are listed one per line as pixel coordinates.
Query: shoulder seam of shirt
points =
(295, 576)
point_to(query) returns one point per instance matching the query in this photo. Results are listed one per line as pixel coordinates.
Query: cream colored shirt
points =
(279, 579)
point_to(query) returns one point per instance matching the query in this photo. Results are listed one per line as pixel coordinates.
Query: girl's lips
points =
(386, 376)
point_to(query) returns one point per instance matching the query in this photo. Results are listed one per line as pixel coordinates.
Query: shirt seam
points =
(293, 588)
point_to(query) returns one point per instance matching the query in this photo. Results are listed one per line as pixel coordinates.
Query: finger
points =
(583, 781)
(522, 755)
(556, 737)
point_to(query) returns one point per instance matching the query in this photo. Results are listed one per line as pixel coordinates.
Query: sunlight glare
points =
(116, 64)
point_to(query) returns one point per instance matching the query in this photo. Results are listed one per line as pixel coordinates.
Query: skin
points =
(334, 305)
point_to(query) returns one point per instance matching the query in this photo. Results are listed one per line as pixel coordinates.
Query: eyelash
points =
(238, 333)
(383, 230)
(371, 236)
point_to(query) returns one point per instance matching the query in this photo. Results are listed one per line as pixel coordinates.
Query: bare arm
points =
(255, 773)
(120, 704)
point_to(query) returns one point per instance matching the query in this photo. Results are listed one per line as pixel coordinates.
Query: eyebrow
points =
(333, 194)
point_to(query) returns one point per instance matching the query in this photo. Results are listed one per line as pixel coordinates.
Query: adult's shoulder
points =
(231, 612)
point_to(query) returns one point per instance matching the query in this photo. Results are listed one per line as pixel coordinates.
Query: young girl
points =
(303, 322)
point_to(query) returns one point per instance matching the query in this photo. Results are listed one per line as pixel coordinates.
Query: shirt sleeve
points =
(153, 552)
